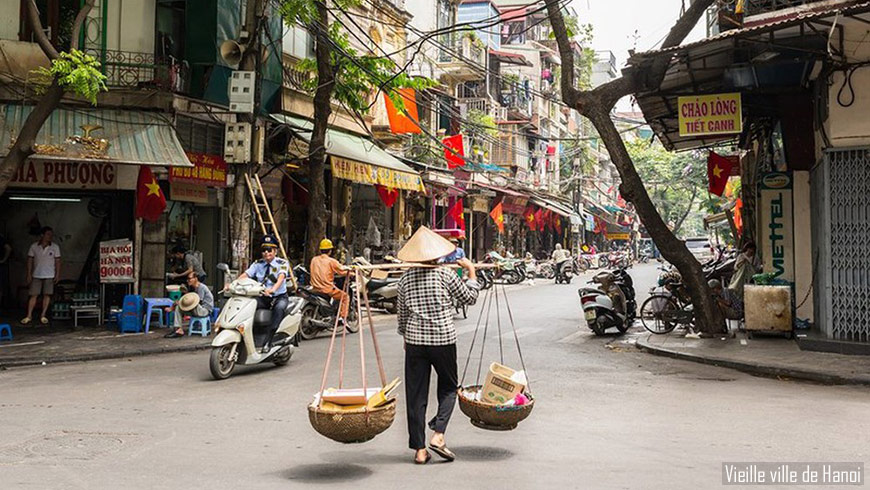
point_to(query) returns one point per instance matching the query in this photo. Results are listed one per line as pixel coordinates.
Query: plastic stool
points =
(200, 325)
(156, 305)
(5, 332)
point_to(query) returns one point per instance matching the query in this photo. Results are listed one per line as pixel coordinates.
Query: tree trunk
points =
(317, 212)
(688, 210)
(708, 318)
(23, 147)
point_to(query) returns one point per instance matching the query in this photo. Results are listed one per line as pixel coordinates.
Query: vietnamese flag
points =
(558, 224)
(407, 121)
(457, 213)
(454, 151)
(539, 219)
(497, 215)
(738, 215)
(718, 171)
(529, 214)
(150, 201)
(388, 195)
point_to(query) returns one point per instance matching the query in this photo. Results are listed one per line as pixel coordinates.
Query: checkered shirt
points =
(426, 304)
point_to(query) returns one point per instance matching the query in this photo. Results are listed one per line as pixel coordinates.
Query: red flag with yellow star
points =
(529, 214)
(497, 215)
(150, 201)
(718, 171)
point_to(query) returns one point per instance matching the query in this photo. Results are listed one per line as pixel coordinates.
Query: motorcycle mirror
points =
(223, 267)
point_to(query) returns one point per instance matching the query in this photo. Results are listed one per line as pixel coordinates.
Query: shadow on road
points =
(327, 473)
(482, 453)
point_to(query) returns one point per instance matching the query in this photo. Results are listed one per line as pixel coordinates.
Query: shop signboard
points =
(777, 225)
(207, 170)
(116, 261)
(365, 173)
(618, 236)
(185, 191)
(710, 115)
(65, 174)
(480, 205)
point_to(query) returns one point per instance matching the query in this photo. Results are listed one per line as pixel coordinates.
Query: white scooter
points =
(244, 329)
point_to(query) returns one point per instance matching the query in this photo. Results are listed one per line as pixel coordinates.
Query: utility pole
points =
(240, 228)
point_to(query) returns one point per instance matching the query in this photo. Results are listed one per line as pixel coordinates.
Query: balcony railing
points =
(484, 105)
(465, 50)
(129, 69)
(294, 78)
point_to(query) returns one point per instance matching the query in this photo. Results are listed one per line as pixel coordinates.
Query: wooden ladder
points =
(265, 218)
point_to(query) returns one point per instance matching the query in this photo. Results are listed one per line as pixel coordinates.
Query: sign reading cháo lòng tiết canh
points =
(710, 115)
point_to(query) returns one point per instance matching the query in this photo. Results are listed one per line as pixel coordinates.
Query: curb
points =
(767, 371)
(102, 355)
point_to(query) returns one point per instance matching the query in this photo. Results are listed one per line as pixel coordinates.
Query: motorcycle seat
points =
(374, 284)
(262, 317)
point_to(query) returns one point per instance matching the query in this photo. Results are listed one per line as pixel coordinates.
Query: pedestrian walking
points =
(426, 301)
(43, 272)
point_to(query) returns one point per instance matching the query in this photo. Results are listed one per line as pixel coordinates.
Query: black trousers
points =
(277, 304)
(419, 361)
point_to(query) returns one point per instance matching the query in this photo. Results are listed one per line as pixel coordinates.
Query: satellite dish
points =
(231, 52)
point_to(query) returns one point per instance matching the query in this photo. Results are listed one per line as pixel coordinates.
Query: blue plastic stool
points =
(199, 325)
(156, 305)
(214, 314)
(131, 314)
(5, 332)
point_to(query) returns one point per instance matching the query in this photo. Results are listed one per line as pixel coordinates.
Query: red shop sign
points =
(208, 170)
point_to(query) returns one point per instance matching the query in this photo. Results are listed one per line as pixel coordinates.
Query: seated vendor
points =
(728, 302)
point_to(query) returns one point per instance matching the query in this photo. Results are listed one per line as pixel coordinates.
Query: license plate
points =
(590, 315)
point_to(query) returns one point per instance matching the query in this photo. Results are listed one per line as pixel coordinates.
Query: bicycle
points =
(662, 312)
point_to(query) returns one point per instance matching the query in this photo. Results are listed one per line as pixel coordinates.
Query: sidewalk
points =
(34, 345)
(764, 356)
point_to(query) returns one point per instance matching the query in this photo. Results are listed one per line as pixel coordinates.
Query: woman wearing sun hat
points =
(427, 298)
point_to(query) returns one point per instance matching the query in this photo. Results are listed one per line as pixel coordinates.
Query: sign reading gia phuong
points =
(777, 225)
(705, 115)
(207, 170)
(116, 261)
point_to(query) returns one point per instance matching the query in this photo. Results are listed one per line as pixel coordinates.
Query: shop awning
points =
(756, 60)
(557, 208)
(116, 136)
(510, 58)
(358, 159)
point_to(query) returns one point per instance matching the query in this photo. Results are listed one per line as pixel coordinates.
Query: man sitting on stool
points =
(199, 302)
(271, 271)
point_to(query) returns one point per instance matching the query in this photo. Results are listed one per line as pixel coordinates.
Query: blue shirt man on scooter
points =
(271, 271)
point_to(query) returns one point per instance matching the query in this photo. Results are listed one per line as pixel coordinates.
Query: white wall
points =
(850, 126)
(803, 244)
(9, 21)
(130, 25)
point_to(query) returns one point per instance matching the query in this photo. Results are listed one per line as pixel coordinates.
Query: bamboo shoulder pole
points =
(409, 265)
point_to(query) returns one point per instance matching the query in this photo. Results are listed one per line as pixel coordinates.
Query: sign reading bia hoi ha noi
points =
(710, 115)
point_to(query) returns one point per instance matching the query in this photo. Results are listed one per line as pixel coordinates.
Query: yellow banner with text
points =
(365, 173)
(710, 115)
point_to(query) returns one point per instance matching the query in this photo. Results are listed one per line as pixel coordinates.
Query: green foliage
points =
(676, 183)
(75, 72)
(356, 75)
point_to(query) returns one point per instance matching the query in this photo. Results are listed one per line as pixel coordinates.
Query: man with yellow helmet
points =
(324, 268)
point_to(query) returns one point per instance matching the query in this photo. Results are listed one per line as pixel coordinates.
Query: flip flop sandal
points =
(443, 451)
(43, 321)
(428, 457)
(26, 321)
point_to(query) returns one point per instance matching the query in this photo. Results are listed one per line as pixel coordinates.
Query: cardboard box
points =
(502, 384)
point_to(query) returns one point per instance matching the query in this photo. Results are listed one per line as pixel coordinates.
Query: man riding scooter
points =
(323, 270)
(270, 271)
(560, 259)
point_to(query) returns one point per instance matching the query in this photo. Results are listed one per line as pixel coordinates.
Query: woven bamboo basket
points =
(352, 427)
(493, 417)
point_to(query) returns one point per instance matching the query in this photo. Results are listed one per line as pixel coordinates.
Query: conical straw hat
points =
(425, 245)
(188, 302)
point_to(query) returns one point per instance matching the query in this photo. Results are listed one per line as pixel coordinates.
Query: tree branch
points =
(79, 22)
(39, 31)
(566, 52)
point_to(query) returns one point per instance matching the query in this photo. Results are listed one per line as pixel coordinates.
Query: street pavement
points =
(605, 416)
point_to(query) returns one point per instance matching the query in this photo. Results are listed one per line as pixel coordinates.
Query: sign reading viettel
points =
(706, 115)
(116, 261)
(777, 225)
